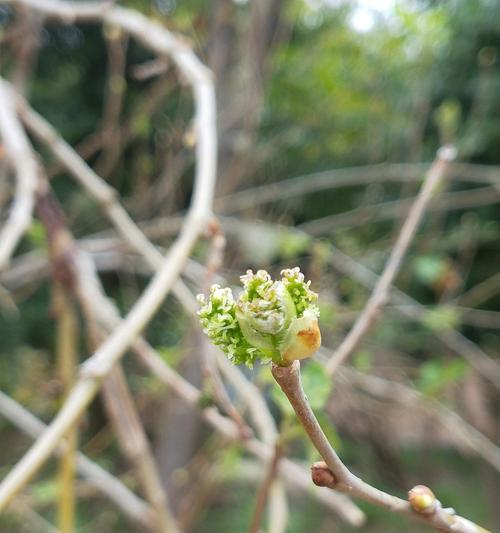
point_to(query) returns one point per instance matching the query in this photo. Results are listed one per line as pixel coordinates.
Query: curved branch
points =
(161, 41)
(334, 474)
(18, 151)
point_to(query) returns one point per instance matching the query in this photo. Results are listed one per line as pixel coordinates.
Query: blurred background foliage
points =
(303, 88)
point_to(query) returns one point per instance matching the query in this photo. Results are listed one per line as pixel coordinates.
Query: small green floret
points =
(303, 297)
(271, 320)
(218, 320)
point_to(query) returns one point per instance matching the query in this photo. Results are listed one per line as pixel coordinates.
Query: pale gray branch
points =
(380, 293)
(18, 153)
(160, 40)
(103, 481)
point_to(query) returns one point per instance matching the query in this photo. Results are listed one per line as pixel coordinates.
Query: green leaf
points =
(437, 375)
(441, 318)
(317, 384)
(429, 269)
(36, 234)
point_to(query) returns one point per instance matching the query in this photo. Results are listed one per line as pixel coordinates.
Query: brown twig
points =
(265, 489)
(161, 41)
(335, 475)
(132, 438)
(130, 432)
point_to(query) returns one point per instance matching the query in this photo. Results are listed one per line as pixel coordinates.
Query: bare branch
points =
(19, 153)
(461, 431)
(348, 177)
(103, 481)
(118, 400)
(265, 489)
(412, 309)
(452, 201)
(160, 40)
(334, 474)
(380, 293)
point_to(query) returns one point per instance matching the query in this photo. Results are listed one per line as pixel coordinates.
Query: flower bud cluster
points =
(271, 320)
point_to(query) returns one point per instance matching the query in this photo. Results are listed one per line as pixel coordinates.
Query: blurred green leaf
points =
(435, 375)
(441, 318)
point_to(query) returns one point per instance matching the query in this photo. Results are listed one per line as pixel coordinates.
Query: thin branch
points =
(19, 154)
(335, 475)
(452, 201)
(460, 430)
(481, 292)
(348, 177)
(118, 400)
(102, 481)
(265, 489)
(110, 131)
(160, 40)
(133, 440)
(381, 291)
(28, 514)
(105, 195)
(412, 309)
(67, 361)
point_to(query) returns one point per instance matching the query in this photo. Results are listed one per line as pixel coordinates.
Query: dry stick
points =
(133, 440)
(160, 40)
(454, 340)
(380, 293)
(481, 292)
(117, 396)
(64, 257)
(91, 144)
(265, 489)
(105, 195)
(393, 391)
(266, 429)
(348, 177)
(338, 477)
(67, 361)
(28, 516)
(108, 316)
(102, 481)
(17, 149)
(110, 132)
(372, 213)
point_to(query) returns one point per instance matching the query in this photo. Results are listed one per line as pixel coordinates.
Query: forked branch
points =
(335, 475)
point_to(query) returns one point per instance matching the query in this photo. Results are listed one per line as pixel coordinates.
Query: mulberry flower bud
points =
(422, 499)
(271, 320)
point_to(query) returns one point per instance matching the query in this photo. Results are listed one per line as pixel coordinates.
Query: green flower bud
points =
(272, 320)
